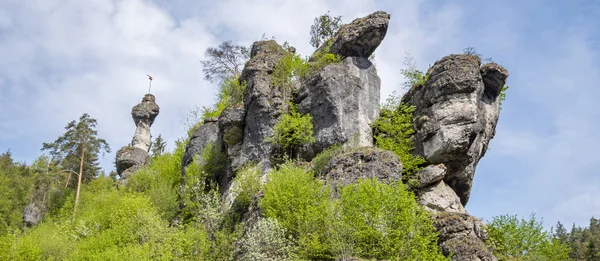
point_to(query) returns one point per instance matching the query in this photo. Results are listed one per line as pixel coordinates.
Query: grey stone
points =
(143, 115)
(343, 100)
(263, 102)
(361, 37)
(33, 213)
(205, 134)
(456, 115)
(366, 163)
(439, 197)
(431, 174)
(462, 236)
(130, 157)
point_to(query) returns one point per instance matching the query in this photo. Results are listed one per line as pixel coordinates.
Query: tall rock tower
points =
(130, 158)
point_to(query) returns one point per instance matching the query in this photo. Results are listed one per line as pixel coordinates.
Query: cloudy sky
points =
(61, 58)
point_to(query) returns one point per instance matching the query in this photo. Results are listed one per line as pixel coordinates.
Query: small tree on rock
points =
(323, 28)
(225, 61)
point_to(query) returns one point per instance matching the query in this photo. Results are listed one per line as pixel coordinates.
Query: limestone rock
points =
(205, 134)
(439, 197)
(143, 115)
(361, 37)
(431, 174)
(33, 213)
(366, 163)
(463, 236)
(456, 115)
(231, 133)
(130, 157)
(343, 100)
(263, 102)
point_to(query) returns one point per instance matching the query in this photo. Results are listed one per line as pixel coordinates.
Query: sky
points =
(61, 58)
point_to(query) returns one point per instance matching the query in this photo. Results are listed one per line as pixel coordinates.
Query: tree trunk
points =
(80, 174)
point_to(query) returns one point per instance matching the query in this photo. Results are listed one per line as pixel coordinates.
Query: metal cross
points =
(149, 86)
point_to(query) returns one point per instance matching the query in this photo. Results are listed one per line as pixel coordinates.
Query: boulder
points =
(431, 174)
(343, 100)
(456, 115)
(33, 214)
(365, 163)
(463, 236)
(263, 102)
(130, 157)
(143, 115)
(361, 37)
(439, 197)
(206, 134)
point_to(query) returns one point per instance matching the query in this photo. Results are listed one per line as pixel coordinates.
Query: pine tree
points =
(158, 146)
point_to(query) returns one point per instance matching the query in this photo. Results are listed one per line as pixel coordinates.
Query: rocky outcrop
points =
(343, 100)
(365, 163)
(231, 136)
(440, 197)
(263, 102)
(132, 157)
(33, 213)
(143, 115)
(456, 115)
(361, 37)
(462, 236)
(206, 134)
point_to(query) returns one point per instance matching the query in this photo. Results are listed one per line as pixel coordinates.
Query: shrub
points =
(266, 240)
(320, 161)
(394, 131)
(512, 238)
(245, 185)
(385, 222)
(288, 69)
(503, 95)
(323, 28)
(413, 76)
(300, 204)
(292, 130)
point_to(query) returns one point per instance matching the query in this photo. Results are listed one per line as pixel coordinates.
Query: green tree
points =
(512, 238)
(16, 182)
(79, 145)
(323, 28)
(158, 146)
(394, 130)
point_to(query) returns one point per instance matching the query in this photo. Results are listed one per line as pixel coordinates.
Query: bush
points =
(512, 238)
(394, 131)
(503, 95)
(300, 204)
(413, 77)
(266, 240)
(320, 161)
(292, 130)
(245, 185)
(385, 222)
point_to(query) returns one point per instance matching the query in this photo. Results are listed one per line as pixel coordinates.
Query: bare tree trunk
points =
(80, 174)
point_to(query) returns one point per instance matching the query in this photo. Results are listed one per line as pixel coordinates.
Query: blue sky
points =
(59, 59)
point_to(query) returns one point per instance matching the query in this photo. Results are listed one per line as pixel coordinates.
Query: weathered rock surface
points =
(231, 135)
(131, 158)
(33, 213)
(456, 115)
(263, 102)
(343, 100)
(365, 163)
(143, 115)
(463, 236)
(361, 37)
(204, 135)
(439, 197)
(431, 174)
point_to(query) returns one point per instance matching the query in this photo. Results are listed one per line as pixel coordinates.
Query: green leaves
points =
(512, 238)
(323, 28)
(394, 131)
(292, 130)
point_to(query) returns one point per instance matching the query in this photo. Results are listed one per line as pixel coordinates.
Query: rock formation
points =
(343, 100)
(131, 158)
(455, 118)
(456, 115)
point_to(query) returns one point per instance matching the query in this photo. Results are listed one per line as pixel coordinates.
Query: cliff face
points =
(455, 118)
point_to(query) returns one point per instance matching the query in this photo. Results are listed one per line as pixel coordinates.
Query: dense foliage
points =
(583, 241)
(292, 130)
(512, 238)
(394, 130)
